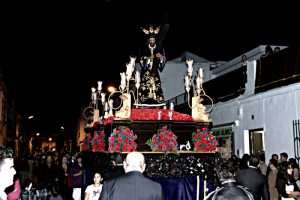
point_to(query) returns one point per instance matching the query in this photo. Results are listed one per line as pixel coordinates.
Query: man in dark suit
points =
(133, 184)
(228, 189)
(253, 179)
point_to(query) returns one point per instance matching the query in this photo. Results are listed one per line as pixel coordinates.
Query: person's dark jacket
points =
(132, 185)
(230, 191)
(116, 171)
(255, 181)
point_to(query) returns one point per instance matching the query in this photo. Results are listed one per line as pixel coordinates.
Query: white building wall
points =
(273, 111)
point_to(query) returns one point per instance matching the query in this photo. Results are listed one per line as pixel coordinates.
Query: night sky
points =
(51, 55)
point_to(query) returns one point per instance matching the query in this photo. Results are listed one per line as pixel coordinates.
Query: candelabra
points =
(124, 109)
(199, 112)
(93, 108)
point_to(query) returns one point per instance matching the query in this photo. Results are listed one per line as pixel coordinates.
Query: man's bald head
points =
(135, 161)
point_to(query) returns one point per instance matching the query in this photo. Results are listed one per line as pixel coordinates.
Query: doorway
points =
(256, 142)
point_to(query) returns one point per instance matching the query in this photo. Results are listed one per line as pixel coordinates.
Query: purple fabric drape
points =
(184, 188)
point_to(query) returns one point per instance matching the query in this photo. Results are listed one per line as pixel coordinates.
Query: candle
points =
(189, 62)
(93, 93)
(129, 69)
(132, 60)
(99, 85)
(137, 77)
(94, 96)
(123, 78)
(171, 106)
(198, 83)
(106, 106)
(102, 97)
(201, 72)
(187, 81)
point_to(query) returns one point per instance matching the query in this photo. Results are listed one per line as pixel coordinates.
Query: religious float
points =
(179, 148)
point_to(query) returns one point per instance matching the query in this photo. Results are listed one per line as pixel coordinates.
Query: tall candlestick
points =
(171, 106)
(102, 97)
(99, 85)
(93, 94)
(198, 82)
(123, 78)
(106, 106)
(189, 62)
(137, 77)
(129, 70)
(201, 72)
(132, 60)
(187, 81)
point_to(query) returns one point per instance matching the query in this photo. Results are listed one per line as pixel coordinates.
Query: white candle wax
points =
(198, 83)
(93, 92)
(171, 106)
(201, 72)
(94, 96)
(189, 62)
(103, 97)
(123, 78)
(187, 81)
(106, 106)
(137, 77)
(129, 69)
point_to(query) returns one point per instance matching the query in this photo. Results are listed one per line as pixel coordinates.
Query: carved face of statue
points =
(152, 41)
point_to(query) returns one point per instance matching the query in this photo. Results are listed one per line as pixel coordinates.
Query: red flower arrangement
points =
(86, 145)
(152, 114)
(98, 141)
(204, 141)
(164, 141)
(122, 139)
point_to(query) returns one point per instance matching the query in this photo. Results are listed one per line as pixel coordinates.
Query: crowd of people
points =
(278, 180)
(65, 177)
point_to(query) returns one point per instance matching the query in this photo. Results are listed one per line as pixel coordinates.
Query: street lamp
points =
(50, 139)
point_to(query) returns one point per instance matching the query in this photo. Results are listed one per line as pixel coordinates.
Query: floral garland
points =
(86, 145)
(122, 139)
(164, 141)
(98, 141)
(204, 141)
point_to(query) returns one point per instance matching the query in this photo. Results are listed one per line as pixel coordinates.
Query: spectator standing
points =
(253, 179)
(133, 184)
(93, 191)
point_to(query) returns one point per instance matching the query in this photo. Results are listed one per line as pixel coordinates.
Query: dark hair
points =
(253, 161)
(5, 153)
(274, 155)
(274, 162)
(283, 154)
(268, 50)
(224, 172)
(276, 49)
(293, 163)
